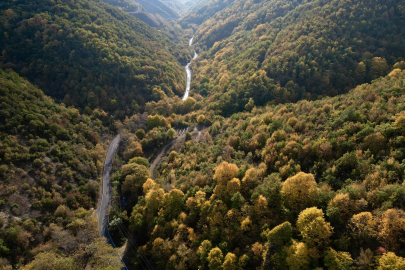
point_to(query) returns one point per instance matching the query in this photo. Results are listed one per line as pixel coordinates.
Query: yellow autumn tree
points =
(390, 261)
(199, 198)
(234, 141)
(314, 230)
(154, 199)
(218, 212)
(172, 156)
(224, 79)
(261, 209)
(375, 142)
(154, 121)
(391, 228)
(292, 121)
(148, 185)
(50, 261)
(299, 258)
(379, 67)
(203, 250)
(250, 180)
(224, 173)
(399, 123)
(363, 226)
(345, 205)
(233, 186)
(246, 224)
(134, 149)
(230, 262)
(200, 119)
(215, 259)
(299, 192)
(232, 217)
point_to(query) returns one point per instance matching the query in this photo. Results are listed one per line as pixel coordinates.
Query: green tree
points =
(134, 176)
(379, 67)
(51, 261)
(140, 133)
(250, 105)
(134, 149)
(171, 133)
(189, 103)
(337, 260)
(173, 203)
(275, 252)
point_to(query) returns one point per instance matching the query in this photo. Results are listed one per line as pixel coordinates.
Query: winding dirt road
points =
(102, 210)
(164, 152)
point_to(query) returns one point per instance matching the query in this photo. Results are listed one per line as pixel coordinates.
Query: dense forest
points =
(166, 27)
(200, 15)
(51, 158)
(88, 54)
(289, 152)
(301, 185)
(284, 51)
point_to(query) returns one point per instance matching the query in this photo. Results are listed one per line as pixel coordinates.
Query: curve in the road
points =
(163, 152)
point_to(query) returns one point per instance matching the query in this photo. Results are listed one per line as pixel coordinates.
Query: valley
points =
(221, 135)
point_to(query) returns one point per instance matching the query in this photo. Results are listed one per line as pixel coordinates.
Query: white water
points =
(188, 73)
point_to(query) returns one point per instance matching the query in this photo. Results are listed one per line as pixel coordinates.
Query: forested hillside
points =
(289, 152)
(160, 7)
(88, 54)
(284, 51)
(51, 158)
(199, 15)
(174, 4)
(125, 5)
(306, 185)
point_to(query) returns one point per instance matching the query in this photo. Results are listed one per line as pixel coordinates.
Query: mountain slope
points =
(312, 183)
(202, 11)
(135, 10)
(297, 50)
(50, 160)
(87, 53)
(174, 4)
(162, 8)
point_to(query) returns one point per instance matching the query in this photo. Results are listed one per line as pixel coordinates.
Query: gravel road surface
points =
(105, 202)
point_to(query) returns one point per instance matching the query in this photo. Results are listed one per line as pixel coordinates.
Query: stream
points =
(188, 72)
